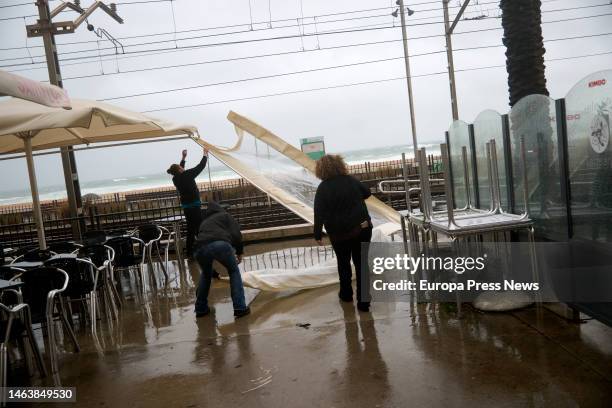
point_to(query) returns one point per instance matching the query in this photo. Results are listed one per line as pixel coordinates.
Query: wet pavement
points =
(306, 349)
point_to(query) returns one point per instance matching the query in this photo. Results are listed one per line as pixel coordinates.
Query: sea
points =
(218, 172)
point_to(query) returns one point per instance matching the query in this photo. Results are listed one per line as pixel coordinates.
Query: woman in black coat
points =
(340, 207)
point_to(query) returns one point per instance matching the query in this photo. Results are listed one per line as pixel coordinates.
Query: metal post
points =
(448, 32)
(508, 163)
(565, 182)
(408, 77)
(27, 142)
(474, 175)
(71, 177)
(451, 65)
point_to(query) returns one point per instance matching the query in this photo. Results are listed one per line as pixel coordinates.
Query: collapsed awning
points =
(86, 123)
(26, 126)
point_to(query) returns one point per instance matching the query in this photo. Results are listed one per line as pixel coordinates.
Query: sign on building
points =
(314, 147)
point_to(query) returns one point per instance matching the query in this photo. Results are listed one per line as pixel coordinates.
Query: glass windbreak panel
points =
(534, 119)
(459, 136)
(487, 126)
(589, 111)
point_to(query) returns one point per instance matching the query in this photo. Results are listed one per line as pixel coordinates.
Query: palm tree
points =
(522, 23)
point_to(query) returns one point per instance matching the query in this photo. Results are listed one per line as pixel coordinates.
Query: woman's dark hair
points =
(173, 170)
(329, 166)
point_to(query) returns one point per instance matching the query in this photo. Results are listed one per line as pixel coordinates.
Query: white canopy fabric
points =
(26, 126)
(245, 124)
(39, 92)
(87, 122)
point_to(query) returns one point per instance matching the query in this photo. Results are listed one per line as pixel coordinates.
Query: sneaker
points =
(204, 313)
(363, 306)
(243, 312)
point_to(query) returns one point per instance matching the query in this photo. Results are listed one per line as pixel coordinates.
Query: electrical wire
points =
(283, 74)
(276, 21)
(17, 5)
(344, 31)
(357, 84)
(183, 65)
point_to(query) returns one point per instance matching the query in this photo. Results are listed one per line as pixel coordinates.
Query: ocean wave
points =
(10, 200)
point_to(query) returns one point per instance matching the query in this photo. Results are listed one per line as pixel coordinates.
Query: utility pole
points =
(47, 29)
(448, 32)
(400, 3)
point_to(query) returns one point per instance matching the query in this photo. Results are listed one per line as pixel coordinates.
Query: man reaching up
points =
(184, 181)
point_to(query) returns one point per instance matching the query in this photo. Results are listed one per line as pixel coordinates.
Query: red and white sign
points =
(34, 91)
(599, 82)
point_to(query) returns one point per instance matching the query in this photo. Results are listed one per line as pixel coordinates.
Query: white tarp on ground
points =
(287, 175)
(279, 279)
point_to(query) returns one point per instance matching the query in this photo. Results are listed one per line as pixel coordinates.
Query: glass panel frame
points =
(489, 125)
(459, 137)
(534, 119)
(589, 156)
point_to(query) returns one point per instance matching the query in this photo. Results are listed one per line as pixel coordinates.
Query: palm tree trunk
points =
(522, 23)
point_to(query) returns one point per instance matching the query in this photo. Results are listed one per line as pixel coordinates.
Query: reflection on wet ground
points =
(306, 349)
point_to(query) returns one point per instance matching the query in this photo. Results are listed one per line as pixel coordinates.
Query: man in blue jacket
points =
(184, 181)
(219, 239)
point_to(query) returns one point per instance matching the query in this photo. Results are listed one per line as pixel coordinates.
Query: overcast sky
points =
(349, 118)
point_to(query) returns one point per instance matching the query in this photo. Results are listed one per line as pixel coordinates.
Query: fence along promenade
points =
(117, 211)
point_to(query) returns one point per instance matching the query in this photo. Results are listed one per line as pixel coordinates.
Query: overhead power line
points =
(172, 40)
(17, 5)
(96, 58)
(283, 74)
(183, 65)
(299, 24)
(250, 24)
(377, 81)
(31, 3)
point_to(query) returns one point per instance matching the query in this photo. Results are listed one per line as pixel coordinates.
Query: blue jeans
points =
(223, 252)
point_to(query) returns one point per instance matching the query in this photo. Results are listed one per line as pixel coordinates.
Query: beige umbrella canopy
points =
(26, 126)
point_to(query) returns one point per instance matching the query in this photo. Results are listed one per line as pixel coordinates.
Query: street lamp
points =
(402, 12)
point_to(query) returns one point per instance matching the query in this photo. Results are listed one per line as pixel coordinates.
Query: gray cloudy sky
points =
(349, 117)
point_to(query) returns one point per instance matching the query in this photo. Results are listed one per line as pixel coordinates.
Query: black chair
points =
(126, 255)
(80, 278)
(86, 284)
(129, 254)
(97, 253)
(42, 291)
(94, 237)
(37, 255)
(65, 247)
(102, 255)
(149, 232)
(21, 251)
(16, 325)
(2, 257)
(10, 297)
(8, 272)
(118, 233)
(151, 235)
